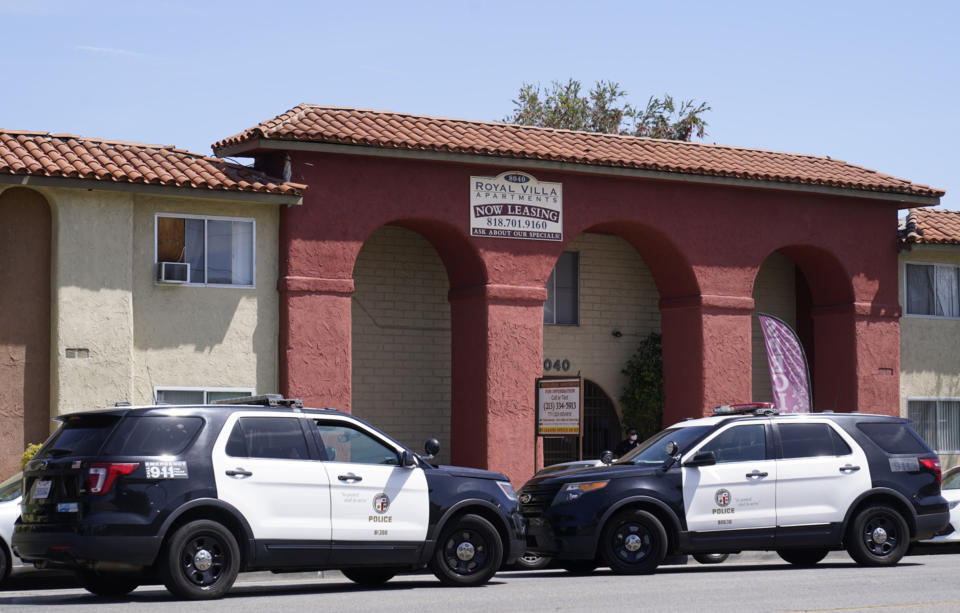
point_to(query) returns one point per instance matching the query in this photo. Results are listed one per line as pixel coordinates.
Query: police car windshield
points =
(651, 451)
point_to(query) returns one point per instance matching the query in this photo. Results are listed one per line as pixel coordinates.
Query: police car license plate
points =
(41, 489)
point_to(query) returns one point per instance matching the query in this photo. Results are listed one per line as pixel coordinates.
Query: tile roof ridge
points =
(603, 135)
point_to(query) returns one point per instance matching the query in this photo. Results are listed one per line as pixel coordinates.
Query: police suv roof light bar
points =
(746, 408)
(264, 400)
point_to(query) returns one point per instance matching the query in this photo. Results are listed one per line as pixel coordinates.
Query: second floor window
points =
(219, 250)
(563, 291)
(933, 289)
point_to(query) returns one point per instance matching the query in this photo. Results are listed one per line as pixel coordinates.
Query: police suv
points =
(193, 495)
(745, 479)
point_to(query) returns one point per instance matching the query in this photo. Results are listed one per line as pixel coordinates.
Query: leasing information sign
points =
(514, 204)
(558, 406)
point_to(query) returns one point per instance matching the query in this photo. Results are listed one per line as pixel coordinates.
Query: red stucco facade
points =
(703, 244)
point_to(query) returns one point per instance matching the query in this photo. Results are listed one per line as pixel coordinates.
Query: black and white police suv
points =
(193, 495)
(745, 479)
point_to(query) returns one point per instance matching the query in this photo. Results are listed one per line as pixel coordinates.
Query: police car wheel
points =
(802, 557)
(878, 536)
(200, 561)
(633, 542)
(710, 558)
(106, 585)
(468, 552)
(369, 576)
(532, 561)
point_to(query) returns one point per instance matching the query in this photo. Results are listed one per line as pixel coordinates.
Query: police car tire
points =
(802, 557)
(483, 540)
(532, 561)
(106, 585)
(649, 537)
(177, 563)
(369, 576)
(711, 558)
(862, 544)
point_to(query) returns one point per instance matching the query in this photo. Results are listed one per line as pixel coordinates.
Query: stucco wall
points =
(618, 293)
(775, 293)
(929, 346)
(401, 339)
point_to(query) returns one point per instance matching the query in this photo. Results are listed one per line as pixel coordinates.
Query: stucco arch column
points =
(857, 357)
(497, 356)
(315, 340)
(706, 353)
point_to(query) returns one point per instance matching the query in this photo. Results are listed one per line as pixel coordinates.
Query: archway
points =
(25, 259)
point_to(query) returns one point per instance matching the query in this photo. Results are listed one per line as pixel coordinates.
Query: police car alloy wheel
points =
(878, 536)
(469, 552)
(106, 585)
(633, 542)
(201, 561)
(802, 557)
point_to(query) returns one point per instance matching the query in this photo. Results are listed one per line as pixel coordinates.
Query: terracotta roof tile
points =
(390, 130)
(930, 227)
(63, 155)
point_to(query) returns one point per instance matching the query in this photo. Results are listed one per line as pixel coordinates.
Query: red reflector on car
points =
(933, 465)
(103, 474)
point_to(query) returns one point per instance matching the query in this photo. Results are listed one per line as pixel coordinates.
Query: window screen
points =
(937, 422)
(153, 435)
(268, 437)
(739, 444)
(810, 440)
(894, 437)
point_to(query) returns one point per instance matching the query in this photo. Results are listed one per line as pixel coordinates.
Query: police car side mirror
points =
(607, 457)
(432, 447)
(704, 458)
(407, 459)
(671, 448)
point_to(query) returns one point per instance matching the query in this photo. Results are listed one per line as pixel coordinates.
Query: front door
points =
(737, 493)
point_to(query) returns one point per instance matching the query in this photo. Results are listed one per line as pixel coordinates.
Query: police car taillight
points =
(932, 465)
(102, 475)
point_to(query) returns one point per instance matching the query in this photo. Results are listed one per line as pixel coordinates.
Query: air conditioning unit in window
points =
(173, 272)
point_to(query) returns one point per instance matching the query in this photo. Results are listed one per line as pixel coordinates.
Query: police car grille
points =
(540, 497)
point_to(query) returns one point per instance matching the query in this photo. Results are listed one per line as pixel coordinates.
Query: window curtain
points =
(242, 253)
(924, 415)
(948, 296)
(948, 423)
(193, 251)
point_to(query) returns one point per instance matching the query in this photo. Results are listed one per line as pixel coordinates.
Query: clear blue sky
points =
(873, 83)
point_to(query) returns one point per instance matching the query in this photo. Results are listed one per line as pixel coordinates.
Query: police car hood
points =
(597, 472)
(472, 473)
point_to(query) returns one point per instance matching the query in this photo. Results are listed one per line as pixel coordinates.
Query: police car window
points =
(268, 437)
(894, 437)
(152, 435)
(651, 451)
(344, 443)
(10, 489)
(739, 444)
(810, 440)
(79, 435)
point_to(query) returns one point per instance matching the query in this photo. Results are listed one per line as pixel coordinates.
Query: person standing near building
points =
(627, 445)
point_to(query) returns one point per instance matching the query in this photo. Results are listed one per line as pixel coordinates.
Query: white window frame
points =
(206, 218)
(906, 290)
(179, 388)
(935, 445)
(579, 297)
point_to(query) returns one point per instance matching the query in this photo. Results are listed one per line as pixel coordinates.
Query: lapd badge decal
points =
(722, 497)
(381, 502)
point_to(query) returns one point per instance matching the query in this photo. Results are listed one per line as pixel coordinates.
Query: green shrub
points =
(28, 454)
(642, 398)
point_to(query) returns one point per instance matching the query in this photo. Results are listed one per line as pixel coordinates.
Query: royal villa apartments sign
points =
(514, 204)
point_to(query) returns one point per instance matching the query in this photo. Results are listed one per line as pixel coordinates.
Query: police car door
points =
(736, 493)
(373, 498)
(262, 467)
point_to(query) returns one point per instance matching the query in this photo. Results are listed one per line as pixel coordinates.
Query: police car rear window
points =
(153, 435)
(80, 435)
(894, 437)
(810, 440)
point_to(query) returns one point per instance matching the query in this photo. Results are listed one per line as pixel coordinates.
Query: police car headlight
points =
(507, 489)
(573, 491)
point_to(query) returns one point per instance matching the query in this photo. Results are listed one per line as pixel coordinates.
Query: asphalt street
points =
(750, 582)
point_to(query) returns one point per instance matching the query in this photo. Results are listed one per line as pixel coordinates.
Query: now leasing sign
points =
(514, 204)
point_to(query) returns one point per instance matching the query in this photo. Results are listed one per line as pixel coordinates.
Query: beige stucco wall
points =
(929, 346)
(617, 292)
(774, 293)
(401, 339)
(140, 335)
